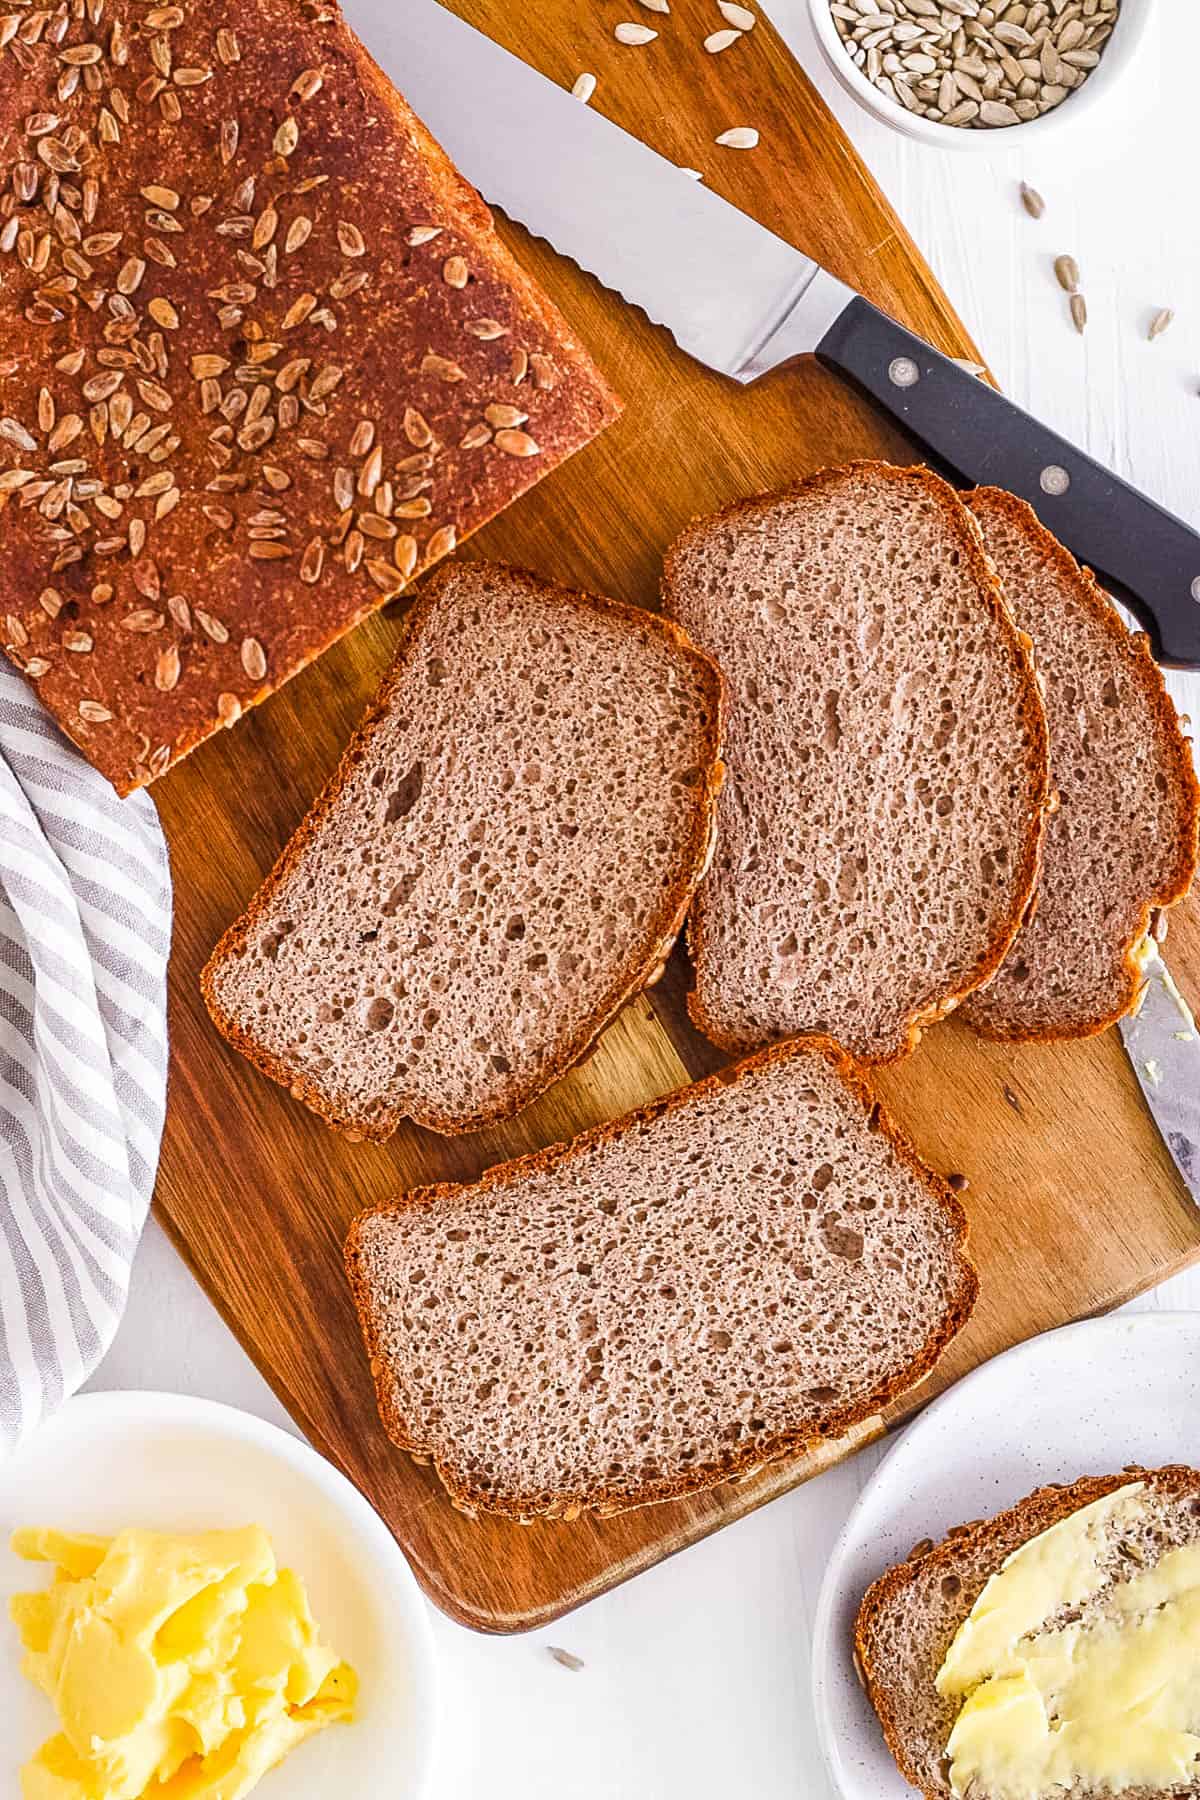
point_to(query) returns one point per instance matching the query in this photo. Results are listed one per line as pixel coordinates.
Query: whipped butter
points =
(180, 1666)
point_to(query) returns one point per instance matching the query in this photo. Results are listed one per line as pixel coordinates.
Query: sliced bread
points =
(882, 820)
(728, 1276)
(910, 1616)
(504, 856)
(1123, 840)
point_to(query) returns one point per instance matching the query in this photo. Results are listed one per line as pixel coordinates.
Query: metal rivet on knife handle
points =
(1054, 479)
(903, 372)
(1196, 589)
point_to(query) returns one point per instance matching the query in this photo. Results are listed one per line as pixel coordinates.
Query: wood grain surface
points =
(1074, 1203)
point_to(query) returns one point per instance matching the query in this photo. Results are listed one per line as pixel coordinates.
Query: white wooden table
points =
(696, 1682)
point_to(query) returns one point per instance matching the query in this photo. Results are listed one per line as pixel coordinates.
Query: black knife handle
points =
(981, 436)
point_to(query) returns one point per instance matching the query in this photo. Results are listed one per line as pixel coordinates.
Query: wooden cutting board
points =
(1074, 1203)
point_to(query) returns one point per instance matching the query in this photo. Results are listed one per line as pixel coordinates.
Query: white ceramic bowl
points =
(176, 1464)
(1119, 55)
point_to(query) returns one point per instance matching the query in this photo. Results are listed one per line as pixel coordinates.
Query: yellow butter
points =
(1109, 1703)
(183, 1665)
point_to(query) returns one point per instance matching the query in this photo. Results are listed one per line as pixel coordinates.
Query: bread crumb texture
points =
(262, 360)
(888, 776)
(731, 1275)
(504, 856)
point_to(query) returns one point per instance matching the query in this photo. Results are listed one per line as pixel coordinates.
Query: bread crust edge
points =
(787, 1444)
(1174, 752)
(1040, 794)
(628, 982)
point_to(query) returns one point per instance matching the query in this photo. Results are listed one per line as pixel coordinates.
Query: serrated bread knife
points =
(740, 300)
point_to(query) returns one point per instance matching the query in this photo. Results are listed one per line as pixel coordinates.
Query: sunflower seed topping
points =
(167, 670)
(98, 460)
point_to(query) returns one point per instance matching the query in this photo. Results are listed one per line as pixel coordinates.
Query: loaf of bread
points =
(910, 1616)
(735, 1273)
(262, 359)
(1122, 842)
(888, 780)
(504, 857)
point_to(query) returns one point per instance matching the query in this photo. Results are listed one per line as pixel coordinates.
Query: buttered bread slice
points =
(1053, 1650)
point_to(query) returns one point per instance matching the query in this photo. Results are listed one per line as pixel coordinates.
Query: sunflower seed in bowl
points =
(930, 67)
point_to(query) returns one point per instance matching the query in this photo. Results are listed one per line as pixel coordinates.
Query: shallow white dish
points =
(173, 1463)
(1086, 1400)
(1115, 64)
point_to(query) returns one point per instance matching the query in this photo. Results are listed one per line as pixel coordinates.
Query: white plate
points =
(175, 1464)
(1082, 1401)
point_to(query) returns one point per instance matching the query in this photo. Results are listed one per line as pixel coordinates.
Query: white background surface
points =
(697, 1676)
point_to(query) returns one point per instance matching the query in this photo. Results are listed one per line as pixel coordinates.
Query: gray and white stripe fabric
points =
(85, 930)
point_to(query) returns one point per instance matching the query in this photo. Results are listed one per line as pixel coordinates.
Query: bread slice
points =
(909, 1617)
(263, 357)
(881, 824)
(1123, 840)
(504, 856)
(728, 1276)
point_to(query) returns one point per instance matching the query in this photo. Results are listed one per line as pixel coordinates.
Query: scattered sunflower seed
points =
(1079, 313)
(565, 1658)
(1160, 321)
(1032, 201)
(720, 40)
(741, 16)
(740, 137)
(656, 6)
(1067, 271)
(626, 33)
(584, 88)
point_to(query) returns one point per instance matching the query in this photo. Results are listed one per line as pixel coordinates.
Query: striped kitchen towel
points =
(85, 929)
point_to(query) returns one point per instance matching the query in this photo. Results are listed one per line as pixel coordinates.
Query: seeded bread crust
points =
(471, 1499)
(986, 1014)
(246, 215)
(1040, 797)
(626, 982)
(969, 1554)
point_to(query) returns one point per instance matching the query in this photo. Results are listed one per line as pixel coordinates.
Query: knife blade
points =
(1164, 1048)
(744, 302)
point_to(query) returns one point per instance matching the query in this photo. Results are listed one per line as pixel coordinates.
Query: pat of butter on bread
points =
(1019, 1663)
